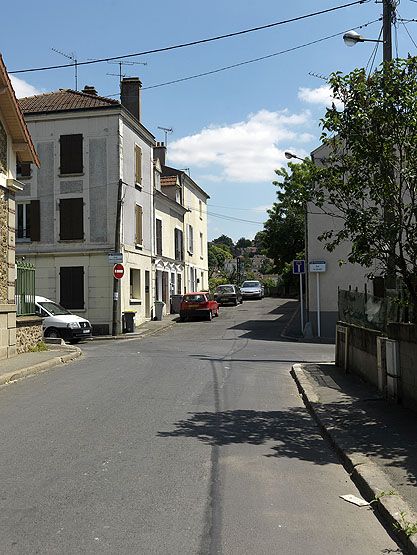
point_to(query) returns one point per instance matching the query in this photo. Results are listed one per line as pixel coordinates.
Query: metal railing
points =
(25, 289)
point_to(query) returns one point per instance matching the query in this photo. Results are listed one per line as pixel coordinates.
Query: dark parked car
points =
(228, 294)
(198, 304)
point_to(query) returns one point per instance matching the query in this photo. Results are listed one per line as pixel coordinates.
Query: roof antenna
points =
(122, 63)
(72, 57)
(166, 130)
(318, 75)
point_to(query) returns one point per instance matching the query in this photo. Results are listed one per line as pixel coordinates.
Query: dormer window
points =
(23, 170)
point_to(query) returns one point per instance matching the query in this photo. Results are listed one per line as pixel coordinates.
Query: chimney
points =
(159, 151)
(130, 95)
(89, 89)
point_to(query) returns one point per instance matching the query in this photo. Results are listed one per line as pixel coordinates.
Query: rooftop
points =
(62, 100)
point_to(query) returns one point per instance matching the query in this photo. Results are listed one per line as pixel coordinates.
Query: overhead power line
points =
(195, 42)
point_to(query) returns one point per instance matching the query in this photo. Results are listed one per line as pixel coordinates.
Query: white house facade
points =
(92, 149)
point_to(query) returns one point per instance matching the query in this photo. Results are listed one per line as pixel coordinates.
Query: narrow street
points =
(193, 441)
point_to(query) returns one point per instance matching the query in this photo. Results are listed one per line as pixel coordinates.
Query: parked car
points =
(198, 304)
(252, 290)
(60, 322)
(228, 294)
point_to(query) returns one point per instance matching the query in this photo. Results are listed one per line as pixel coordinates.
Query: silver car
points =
(252, 290)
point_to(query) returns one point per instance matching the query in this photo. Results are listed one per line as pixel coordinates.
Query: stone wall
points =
(7, 274)
(28, 333)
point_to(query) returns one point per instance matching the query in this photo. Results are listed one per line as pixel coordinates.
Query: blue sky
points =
(232, 128)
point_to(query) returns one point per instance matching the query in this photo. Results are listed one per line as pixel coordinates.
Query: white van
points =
(60, 322)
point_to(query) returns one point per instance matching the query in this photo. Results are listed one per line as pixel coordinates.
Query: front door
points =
(147, 295)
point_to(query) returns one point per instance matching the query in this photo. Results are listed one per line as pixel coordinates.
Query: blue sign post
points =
(299, 268)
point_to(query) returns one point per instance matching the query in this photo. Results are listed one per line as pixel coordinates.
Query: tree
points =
(369, 180)
(217, 256)
(242, 243)
(226, 241)
(283, 234)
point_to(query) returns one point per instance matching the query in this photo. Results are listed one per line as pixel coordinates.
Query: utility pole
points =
(116, 285)
(387, 17)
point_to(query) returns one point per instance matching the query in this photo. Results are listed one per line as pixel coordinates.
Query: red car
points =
(198, 304)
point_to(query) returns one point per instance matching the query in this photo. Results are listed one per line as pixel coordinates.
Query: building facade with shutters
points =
(188, 271)
(16, 147)
(91, 148)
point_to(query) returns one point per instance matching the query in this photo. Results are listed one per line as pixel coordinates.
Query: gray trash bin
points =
(176, 304)
(159, 309)
(128, 322)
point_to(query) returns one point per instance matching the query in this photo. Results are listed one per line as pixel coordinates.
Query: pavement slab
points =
(375, 438)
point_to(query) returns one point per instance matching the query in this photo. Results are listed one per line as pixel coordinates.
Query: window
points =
(138, 165)
(28, 220)
(201, 246)
(71, 219)
(179, 247)
(178, 195)
(23, 169)
(190, 244)
(138, 225)
(134, 284)
(200, 208)
(71, 280)
(71, 154)
(179, 284)
(158, 236)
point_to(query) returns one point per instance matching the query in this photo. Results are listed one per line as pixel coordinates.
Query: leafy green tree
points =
(242, 243)
(283, 233)
(225, 241)
(217, 256)
(368, 182)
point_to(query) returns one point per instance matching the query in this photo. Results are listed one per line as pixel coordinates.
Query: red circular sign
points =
(118, 271)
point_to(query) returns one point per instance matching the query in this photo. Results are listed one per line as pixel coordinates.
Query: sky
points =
(231, 128)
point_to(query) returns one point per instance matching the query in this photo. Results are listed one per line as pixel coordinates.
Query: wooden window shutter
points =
(71, 154)
(71, 279)
(71, 220)
(35, 220)
(139, 222)
(138, 164)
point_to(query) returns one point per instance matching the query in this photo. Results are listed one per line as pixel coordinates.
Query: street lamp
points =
(352, 37)
(290, 155)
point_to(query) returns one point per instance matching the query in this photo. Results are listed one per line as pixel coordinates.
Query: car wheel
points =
(52, 333)
(209, 315)
(241, 300)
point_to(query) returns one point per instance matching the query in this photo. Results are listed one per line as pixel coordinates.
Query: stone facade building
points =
(15, 147)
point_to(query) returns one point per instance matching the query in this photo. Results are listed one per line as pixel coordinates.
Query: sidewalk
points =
(27, 364)
(376, 440)
(147, 328)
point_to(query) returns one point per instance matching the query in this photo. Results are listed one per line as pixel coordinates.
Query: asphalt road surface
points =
(193, 441)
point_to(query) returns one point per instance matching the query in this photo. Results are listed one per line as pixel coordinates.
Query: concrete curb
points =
(371, 481)
(40, 367)
(135, 335)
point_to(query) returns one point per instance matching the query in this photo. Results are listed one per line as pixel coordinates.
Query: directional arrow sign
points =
(118, 271)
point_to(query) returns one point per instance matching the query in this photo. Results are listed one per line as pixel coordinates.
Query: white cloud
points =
(22, 88)
(247, 151)
(320, 95)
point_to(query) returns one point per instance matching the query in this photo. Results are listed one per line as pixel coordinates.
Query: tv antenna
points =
(122, 63)
(71, 56)
(166, 130)
(318, 75)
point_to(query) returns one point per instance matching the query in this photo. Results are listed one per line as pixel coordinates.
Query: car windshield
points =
(251, 284)
(225, 289)
(194, 298)
(54, 308)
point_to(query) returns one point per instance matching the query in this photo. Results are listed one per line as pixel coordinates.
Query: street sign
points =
(298, 266)
(317, 266)
(115, 257)
(118, 271)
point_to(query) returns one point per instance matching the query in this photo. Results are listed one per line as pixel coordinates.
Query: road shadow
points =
(292, 430)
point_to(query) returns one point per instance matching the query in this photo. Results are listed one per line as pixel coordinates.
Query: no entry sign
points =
(118, 271)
